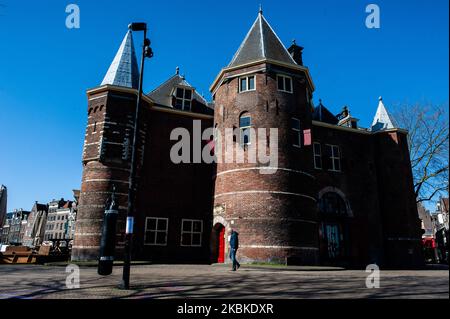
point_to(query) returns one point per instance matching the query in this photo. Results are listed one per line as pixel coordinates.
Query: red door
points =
(221, 250)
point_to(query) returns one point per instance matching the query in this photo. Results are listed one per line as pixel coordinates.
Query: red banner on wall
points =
(307, 137)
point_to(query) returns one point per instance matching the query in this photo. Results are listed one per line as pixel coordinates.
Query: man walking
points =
(234, 245)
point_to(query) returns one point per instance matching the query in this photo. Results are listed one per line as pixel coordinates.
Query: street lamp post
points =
(146, 53)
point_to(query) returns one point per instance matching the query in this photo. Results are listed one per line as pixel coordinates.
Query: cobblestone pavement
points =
(217, 281)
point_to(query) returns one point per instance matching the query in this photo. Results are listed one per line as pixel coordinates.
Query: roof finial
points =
(293, 42)
(177, 70)
(380, 98)
(260, 9)
(320, 101)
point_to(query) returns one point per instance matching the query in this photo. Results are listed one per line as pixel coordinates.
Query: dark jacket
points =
(234, 240)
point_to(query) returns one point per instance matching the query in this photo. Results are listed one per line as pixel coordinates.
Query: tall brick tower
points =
(266, 86)
(107, 153)
(398, 207)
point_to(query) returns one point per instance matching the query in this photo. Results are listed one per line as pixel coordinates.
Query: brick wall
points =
(275, 214)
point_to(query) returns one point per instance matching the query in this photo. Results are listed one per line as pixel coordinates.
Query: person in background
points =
(234, 245)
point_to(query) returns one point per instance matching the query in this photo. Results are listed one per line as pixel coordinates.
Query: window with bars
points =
(183, 99)
(245, 123)
(156, 231)
(191, 232)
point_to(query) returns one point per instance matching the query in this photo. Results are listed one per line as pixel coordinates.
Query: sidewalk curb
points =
(94, 263)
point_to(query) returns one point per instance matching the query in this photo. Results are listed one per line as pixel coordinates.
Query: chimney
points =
(296, 53)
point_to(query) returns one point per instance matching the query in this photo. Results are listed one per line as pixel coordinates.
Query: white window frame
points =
(298, 131)
(156, 231)
(242, 128)
(333, 157)
(191, 232)
(315, 155)
(184, 99)
(247, 82)
(284, 77)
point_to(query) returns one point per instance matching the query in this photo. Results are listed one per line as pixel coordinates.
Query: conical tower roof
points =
(124, 69)
(382, 119)
(261, 43)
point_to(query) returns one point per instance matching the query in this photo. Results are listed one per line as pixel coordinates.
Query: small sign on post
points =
(129, 227)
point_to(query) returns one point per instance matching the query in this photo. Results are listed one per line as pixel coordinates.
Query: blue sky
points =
(46, 68)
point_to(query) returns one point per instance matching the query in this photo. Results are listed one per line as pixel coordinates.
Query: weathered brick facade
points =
(275, 214)
(343, 196)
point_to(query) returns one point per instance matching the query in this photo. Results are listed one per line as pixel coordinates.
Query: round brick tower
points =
(274, 211)
(107, 152)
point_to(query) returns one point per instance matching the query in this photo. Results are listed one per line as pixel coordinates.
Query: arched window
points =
(332, 204)
(245, 123)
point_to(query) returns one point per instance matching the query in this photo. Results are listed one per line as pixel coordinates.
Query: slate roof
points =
(40, 207)
(261, 43)
(382, 119)
(162, 95)
(322, 114)
(124, 70)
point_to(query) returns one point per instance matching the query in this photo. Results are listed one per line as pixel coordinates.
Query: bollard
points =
(108, 240)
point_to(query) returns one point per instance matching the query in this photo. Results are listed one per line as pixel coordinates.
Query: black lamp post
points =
(146, 53)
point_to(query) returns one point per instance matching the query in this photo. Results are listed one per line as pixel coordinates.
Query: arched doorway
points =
(333, 228)
(218, 243)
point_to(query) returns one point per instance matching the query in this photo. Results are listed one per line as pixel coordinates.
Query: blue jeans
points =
(233, 258)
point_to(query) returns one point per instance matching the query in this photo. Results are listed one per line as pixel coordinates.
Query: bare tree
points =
(428, 141)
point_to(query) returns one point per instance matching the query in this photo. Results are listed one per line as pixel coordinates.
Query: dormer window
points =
(183, 99)
(247, 83)
(284, 83)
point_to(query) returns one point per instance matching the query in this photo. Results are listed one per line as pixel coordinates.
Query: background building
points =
(14, 227)
(4, 235)
(441, 230)
(426, 221)
(60, 220)
(35, 230)
(3, 207)
(3, 204)
(428, 234)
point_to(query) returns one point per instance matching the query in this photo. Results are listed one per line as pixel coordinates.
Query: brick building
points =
(3, 206)
(14, 227)
(60, 220)
(339, 194)
(3, 202)
(441, 229)
(35, 230)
